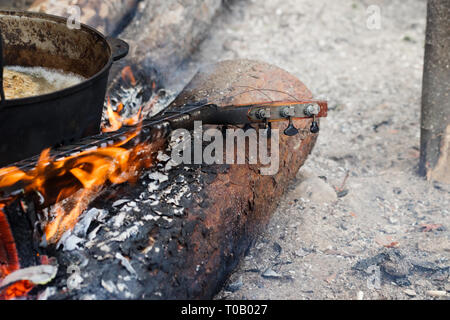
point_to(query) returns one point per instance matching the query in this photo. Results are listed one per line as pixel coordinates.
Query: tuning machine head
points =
(289, 110)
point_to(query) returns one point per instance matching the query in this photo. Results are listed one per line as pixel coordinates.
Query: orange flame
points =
(92, 169)
(80, 178)
(127, 73)
(115, 120)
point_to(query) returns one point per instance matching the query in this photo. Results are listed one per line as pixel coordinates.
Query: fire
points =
(78, 179)
(115, 120)
(127, 73)
(90, 169)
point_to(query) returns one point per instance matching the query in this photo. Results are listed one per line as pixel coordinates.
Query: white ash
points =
(69, 242)
(177, 197)
(93, 233)
(41, 274)
(159, 203)
(124, 261)
(153, 187)
(118, 219)
(154, 203)
(150, 217)
(83, 225)
(162, 157)
(120, 202)
(128, 233)
(105, 248)
(158, 176)
(132, 204)
(109, 286)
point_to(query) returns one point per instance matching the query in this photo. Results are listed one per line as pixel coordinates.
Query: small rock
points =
(269, 273)
(342, 193)
(316, 190)
(235, 286)
(410, 292)
(436, 293)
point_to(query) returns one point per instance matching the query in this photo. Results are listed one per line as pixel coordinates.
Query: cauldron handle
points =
(2, 91)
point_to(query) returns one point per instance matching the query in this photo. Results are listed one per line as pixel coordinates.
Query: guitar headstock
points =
(268, 112)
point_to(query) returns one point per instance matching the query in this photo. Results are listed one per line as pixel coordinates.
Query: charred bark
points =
(435, 126)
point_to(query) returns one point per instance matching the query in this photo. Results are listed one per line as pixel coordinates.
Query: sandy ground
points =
(386, 235)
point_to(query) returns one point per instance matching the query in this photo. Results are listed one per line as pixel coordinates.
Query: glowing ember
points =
(9, 261)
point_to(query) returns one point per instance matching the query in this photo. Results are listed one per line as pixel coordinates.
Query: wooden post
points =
(435, 123)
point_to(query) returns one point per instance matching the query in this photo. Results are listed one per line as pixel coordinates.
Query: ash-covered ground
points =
(384, 235)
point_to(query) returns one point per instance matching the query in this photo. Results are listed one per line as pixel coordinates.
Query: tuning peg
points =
(314, 126)
(268, 128)
(291, 130)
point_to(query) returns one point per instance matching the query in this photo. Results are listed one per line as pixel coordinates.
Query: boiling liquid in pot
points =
(23, 82)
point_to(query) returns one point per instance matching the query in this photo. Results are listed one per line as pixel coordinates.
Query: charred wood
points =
(435, 124)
